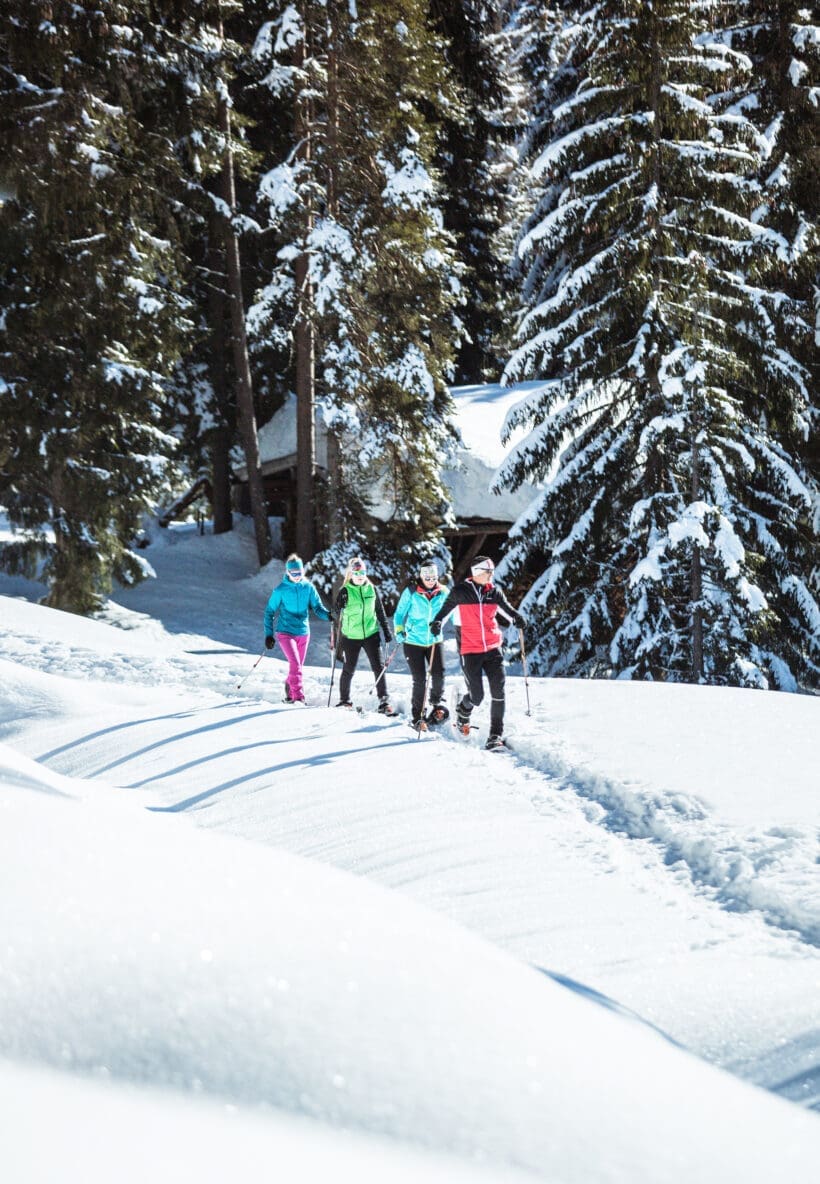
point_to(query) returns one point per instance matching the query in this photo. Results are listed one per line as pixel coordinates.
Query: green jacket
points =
(362, 612)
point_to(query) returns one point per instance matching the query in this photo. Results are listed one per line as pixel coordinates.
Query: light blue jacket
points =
(290, 603)
(415, 611)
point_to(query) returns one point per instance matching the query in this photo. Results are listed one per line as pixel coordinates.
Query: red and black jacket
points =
(477, 608)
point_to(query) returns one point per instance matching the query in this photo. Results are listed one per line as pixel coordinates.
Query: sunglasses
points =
(483, 567)
(295, 573)
(429, 573)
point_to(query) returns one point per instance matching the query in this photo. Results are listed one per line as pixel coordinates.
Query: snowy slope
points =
(144, 951)
(656, 844)
(98, 1133)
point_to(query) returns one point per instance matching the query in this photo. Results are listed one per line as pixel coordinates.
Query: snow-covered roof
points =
(480, 412)
(277, 439)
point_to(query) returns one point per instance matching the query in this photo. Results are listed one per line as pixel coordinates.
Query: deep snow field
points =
(237, 934)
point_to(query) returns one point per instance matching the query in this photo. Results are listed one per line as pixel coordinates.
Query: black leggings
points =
(351, 648)
(474, 666)
(417, 657)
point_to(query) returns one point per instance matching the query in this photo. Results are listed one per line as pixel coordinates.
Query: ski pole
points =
(524, 664)
(332, 664)
(384, 668)
(250, 672)
(427, 676)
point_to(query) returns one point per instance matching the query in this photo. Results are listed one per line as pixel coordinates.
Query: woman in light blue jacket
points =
(290, 605)
(418, 604)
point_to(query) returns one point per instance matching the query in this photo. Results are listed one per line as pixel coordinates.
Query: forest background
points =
(206, 205)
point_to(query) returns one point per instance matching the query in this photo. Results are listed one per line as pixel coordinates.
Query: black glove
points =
(341, 598)
(270, 642)
(435, 628)
(519, 621)
(388, 636)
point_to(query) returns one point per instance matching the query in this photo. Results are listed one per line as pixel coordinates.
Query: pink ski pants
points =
(294, 648)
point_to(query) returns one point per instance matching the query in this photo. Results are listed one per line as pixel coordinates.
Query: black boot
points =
(495, 743)
(462, 718)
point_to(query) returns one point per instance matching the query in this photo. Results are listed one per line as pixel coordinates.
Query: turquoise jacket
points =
(290, 604)
(414, 612)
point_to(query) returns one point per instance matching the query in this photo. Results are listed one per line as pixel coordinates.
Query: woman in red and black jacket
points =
(478, 601)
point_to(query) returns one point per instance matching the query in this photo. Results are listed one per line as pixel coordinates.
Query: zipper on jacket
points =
(478, 596)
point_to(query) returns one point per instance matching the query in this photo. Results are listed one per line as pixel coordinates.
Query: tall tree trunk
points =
(303, 338)
(334, 460)
(696, 581)
(244, 385)
(305, 413)
(696, 574)
(332, 186)
(334, 478)
(221, 435)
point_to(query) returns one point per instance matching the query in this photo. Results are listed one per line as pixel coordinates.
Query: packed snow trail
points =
(703, 921)
(743, 867)
(489, 843)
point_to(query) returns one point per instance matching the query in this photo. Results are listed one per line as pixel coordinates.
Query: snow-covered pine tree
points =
(190, 59)
(783, 100)
(382, 269)
(534, 43)
(666, 488)
(214, 387)
(91, 316)
(475, 159)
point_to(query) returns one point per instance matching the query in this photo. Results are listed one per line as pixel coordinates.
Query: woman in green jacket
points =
(359, 612)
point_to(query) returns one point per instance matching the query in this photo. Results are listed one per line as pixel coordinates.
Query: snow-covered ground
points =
(406, 955)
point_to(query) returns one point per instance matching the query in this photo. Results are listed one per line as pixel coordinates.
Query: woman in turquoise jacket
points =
(290, 606)
(419, 603)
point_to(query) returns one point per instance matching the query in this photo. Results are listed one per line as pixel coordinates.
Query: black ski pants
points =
(351, 648)
(475, 666)
(417, 658)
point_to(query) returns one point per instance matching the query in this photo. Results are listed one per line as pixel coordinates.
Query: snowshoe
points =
(419, 725)
(496, 744)
(384, 708)
(344, 703)
(438, 714)
(462, 721)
